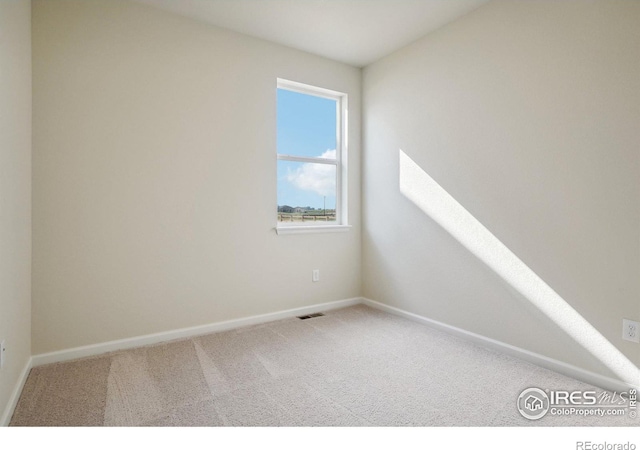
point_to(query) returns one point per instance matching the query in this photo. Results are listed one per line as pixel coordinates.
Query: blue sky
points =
(306, 127)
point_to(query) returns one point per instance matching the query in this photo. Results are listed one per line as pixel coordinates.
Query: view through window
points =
(309, 155)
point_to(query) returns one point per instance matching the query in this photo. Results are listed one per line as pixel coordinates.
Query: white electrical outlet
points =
(630, 330)
(3, 350)
(315, 275)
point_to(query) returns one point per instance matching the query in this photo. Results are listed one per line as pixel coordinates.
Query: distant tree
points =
(285, 209)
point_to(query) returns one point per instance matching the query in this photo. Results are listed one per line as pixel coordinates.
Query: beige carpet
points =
(352, 367)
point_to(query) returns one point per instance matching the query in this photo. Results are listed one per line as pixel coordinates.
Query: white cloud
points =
(318, 178)
(329, 154)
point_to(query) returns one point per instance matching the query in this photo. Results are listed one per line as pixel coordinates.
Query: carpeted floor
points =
(352, 367)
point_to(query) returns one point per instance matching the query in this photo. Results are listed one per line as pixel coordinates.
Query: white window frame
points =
(341, 223)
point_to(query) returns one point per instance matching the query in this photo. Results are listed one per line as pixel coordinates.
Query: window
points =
(312, 177)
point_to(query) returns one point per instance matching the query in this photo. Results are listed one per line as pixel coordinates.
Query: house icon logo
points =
(533, 403)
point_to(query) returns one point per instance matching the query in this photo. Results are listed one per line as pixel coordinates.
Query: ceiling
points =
(356, 32)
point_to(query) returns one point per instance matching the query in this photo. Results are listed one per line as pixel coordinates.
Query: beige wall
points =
(527, 113)
(155, 176)
(15, 192)
(153, 209)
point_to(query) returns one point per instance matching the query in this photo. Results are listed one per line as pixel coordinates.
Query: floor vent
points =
(310, 316)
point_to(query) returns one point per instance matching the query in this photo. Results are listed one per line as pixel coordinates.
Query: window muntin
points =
(311, 155)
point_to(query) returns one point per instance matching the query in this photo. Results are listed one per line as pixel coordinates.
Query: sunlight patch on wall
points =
(434, 201)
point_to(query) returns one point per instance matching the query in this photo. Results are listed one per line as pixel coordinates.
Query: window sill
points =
(313, 229)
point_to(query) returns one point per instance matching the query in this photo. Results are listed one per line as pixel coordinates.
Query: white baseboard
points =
(534, 358)
(15, 395)
(122, 344)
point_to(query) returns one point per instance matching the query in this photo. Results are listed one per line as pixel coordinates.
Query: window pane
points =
(306, 192)
(306, 125)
